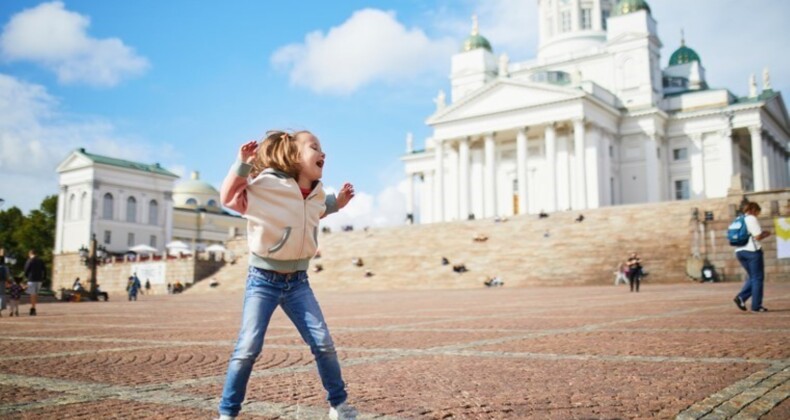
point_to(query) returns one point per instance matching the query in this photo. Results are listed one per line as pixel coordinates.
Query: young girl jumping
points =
(276, 186)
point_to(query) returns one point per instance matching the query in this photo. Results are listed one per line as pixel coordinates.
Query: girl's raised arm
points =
(234, 188)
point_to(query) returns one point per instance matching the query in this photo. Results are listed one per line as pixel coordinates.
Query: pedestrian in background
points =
(751, 258)
(35, 272)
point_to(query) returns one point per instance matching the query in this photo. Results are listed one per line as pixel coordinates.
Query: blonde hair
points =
(278, 151)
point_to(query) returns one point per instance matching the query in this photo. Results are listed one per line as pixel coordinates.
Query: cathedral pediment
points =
(505, 95)
(75, 160)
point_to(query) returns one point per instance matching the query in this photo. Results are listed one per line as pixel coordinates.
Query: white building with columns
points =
(127, 203)
(594, 120)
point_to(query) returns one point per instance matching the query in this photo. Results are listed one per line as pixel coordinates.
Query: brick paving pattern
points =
(671, 351)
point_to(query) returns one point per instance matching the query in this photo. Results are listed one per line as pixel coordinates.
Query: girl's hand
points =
(345, 195)
(247, 151)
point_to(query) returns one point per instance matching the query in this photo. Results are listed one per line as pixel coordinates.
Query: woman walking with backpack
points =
(751, 258)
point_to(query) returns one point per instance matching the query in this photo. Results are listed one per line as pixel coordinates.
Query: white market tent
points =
(216, 248)
(143, 249)
(177, 247)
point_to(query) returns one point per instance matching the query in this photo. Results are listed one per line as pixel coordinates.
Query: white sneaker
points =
(342, 412)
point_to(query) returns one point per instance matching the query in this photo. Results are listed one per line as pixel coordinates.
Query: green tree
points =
(19, 234)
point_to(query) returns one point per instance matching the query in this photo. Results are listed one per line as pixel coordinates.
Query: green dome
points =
(625, 7)
(475, 40)
(684, 54)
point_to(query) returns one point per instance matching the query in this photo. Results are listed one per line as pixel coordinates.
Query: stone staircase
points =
(528, 251)
(523, 250)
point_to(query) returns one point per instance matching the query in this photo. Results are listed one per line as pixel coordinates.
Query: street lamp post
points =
(92, 258)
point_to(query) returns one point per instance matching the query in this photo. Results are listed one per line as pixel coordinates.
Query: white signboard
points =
(782, 225)
(154, 272)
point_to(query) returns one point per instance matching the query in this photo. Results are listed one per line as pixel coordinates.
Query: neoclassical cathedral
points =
(595, 120)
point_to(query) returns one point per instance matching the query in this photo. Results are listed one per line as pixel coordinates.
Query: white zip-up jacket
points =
(282, 227)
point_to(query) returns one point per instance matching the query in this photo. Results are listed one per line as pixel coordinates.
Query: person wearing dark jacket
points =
(35, 271)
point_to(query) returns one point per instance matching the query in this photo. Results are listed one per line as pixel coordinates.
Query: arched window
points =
(72, 207)
(83, 204)
(131, 209)
(107, 206)
(212, 203)
(192, 202)
(153, 213)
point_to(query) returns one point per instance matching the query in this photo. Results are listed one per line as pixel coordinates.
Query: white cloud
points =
(57, 39)
(387, 208)
(510, 26)
(35, 137)
(371, 46)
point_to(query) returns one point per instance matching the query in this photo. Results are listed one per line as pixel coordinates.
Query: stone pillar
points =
(463, 178)
(697, 160)
(651, 168)
(410, 197)
(758, 171)
(580, 196)
(490, 176)
(576, 22)
(605, 143)
(521, 169)
(426, 213)
(593, 179)
(438, 213)
(61, 219)
(551, 168)
(728, 165)
(168, 226)
(597, 17)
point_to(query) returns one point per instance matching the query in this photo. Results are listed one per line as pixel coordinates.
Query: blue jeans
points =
(753, 287)
(266, 290)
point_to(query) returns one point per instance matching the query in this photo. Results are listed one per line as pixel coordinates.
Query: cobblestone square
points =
(600, 352)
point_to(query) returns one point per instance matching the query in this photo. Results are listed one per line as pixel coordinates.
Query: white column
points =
(597, 23)
(606, 144)
(490, 176)
(758, 170)
(410, 196)
(60, 220)
(168, 226)
(575, 19)
(551, 167)
(728, 165)
(580, 199)
(651, 168)
(521, 169)
(438, 213)
(427, 203)
(463, 178)
(697, 161)
(775, 183)
(593, 168)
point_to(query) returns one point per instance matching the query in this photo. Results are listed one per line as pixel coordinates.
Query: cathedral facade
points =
(594, 120)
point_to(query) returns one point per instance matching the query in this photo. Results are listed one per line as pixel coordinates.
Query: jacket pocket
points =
(276, 247)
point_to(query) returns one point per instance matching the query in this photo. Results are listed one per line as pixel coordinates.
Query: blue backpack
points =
(737, 233)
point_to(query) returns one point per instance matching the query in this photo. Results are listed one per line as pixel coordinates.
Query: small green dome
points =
(475, 40)
(625, 7)
(684, 54)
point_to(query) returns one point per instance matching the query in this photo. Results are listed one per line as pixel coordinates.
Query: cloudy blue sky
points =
(183, 83)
